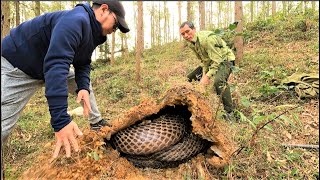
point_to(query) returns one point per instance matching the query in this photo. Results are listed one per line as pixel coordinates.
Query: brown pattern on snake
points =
(149, 137)
(161, 143)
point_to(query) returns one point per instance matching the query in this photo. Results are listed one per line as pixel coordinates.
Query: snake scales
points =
(163, 142)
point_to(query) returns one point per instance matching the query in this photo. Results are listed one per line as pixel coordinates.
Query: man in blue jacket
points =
(41, 51)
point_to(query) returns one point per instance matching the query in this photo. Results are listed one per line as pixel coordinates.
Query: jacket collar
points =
(95, 25)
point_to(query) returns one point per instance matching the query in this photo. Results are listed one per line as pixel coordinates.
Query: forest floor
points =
(265, 58)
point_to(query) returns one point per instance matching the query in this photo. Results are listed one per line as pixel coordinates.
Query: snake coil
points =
(163, 142)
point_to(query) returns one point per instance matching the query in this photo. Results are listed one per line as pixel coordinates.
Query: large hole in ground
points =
(161, 140)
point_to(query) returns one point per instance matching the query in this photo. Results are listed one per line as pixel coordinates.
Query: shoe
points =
(97, 126)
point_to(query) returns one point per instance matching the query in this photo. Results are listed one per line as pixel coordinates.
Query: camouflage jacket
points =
(211, 50)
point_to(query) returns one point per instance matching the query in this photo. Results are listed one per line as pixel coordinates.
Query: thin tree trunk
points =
(238, 41)
(274, 8)
(17, 6)
(37, 8)
(159, 27)
(284, 7)
(313, 5)
(190, 12)
(106, 51)
(202, 15)
(230, 12)
(113, 44)
(219, 14)
(135, 22)
(122, 44)
(305, 6)
(211, 11)
(173, 32)
(5, 18)
(268, 9)
(251, 10)
(139, 39)
(263, 10)
(126, 50)
(152, 26)
(165, 33)
(179, 11)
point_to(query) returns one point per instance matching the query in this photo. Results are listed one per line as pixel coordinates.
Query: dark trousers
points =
(220, 83)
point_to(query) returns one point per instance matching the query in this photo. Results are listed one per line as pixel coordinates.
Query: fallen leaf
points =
(269, 158)
(288, 135)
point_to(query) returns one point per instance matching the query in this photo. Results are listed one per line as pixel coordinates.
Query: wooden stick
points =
(307, 146)
(253, 137)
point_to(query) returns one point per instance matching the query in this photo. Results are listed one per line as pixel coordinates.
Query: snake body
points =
(163, 142)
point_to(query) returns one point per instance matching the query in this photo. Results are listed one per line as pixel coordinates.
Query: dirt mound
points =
(97, 159)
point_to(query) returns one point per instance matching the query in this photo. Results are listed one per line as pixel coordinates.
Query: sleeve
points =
(214, 44)
(82, 76)
(65, 39)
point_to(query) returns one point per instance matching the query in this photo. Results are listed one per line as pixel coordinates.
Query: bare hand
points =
(205, 80)
(65, 137)
(83, 96)
(231, 78)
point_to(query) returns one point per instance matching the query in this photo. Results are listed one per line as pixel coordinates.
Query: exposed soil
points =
(97, 159)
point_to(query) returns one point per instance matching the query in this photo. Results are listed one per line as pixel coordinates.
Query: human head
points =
(187, 30)
(110, 13)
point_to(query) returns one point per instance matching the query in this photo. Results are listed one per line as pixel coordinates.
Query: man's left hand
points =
(83, 96)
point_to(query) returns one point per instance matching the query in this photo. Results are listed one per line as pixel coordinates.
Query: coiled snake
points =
(163, 142)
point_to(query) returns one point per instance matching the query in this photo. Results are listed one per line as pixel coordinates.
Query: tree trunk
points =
(106, 51)
(17, 6)
(37, 8)
(113, 43)
(274, 8)
(159, 27)
(313, 5)
(202, 15)
(165, 33)
(122, 44)
(238, 41)
(179, 11)
(211, 11)
(268, 9)
(152, 24)
(126, 50)
(5, 18)
(135, 22)
(139, 39)
(284, 7)
(305, 6)
(230, 12)
(251, 10)
(219, 14)
(227, 13)
(190, 13)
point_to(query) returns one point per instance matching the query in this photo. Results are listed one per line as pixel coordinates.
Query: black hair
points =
(95, 6)
(189, 23)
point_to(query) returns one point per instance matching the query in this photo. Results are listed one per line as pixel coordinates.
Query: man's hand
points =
(231, 78)
(83, 96)
(205, 80)
(65, 137)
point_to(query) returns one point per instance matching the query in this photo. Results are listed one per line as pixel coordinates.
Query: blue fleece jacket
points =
(46, 46)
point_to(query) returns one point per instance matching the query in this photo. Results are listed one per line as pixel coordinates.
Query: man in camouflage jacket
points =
(216, 58)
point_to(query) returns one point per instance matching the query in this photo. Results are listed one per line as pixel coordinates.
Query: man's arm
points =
(82, 76)
(65, 39)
